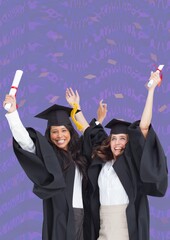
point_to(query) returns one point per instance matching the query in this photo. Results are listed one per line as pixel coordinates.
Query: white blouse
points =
(111, 190)
(21, 135)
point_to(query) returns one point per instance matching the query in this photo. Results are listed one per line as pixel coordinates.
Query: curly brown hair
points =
(103, 151)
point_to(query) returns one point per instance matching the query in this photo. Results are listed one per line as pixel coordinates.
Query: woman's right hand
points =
(10, 99)
(72, 97)
(155, 76)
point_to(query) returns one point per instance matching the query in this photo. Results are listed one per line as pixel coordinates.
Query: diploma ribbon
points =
(14, 87)
(161, 75)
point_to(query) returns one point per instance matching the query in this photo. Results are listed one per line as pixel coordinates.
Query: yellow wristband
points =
(73, 112)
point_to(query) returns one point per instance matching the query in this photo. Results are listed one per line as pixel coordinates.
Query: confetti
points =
(110, 41)
(118, 95)
(112, 61)
(162, 108)
(90, 76)
(43, 74)
(137, 26)
(153, 57)
(53, 99)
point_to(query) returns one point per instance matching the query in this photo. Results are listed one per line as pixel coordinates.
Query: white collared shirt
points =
(22, 137)
(111, 190)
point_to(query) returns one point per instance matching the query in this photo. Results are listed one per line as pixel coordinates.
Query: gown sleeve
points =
(42, 168)
(93, 136)
(149, 159)
(19, 132)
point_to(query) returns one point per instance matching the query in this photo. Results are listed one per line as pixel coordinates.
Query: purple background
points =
(103, 48)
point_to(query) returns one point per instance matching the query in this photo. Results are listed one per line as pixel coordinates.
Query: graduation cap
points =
(56, 115)
(118, 126)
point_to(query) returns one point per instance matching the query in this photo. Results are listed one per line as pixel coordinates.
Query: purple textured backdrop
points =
(105, 49)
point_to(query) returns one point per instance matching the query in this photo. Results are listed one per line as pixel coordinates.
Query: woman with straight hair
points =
(57, 168)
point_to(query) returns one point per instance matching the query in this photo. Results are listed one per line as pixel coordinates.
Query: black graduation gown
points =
(53, 186)
(142, 170)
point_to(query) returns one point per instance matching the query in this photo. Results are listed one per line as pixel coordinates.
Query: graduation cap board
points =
(56, 115)
(118, 126)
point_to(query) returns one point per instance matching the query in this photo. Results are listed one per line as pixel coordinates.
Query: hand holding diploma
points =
(14, 87)
(159, 70)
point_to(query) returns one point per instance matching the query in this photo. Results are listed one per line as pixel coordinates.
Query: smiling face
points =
(60, 136)
(118, 144)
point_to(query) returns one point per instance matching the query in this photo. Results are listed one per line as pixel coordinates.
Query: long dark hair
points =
(103, 151)
(74, 151)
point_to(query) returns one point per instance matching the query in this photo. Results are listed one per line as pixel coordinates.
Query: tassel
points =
(73, 112)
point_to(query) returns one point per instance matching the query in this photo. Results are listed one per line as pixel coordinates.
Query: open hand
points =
(72, 97)
(101, 111)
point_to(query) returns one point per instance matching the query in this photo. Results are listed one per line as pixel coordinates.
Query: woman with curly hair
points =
(126, 167)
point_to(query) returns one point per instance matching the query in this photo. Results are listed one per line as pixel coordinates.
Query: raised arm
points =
(148, 155)
(101, 111)
(73, 97)
(19, 132)
(147, 112)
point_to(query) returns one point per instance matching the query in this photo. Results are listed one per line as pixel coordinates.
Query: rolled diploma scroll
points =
(14, 87)
(151, 81)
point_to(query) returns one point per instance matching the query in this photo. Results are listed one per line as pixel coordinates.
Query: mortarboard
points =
(118, 126)
(56, 115)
